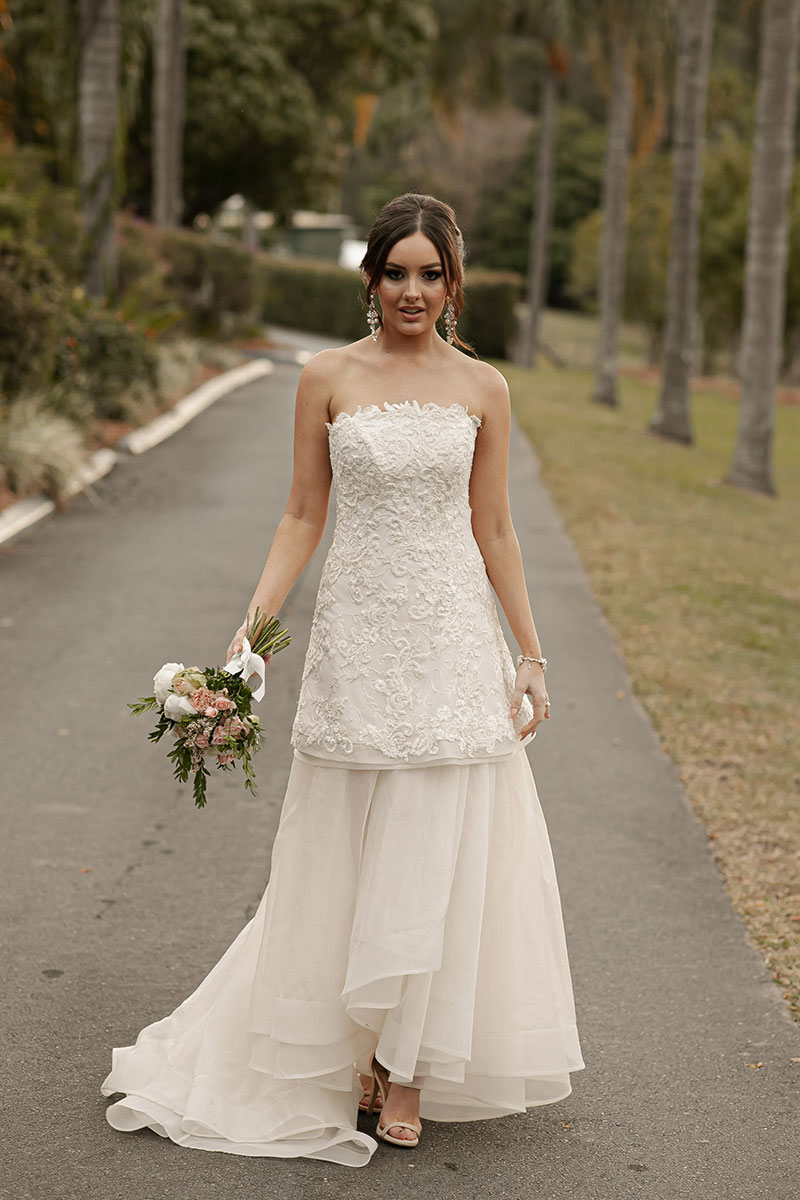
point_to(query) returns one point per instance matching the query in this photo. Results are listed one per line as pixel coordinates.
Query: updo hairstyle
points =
(414, 213)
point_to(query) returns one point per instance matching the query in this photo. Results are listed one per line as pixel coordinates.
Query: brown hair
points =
(414, 213)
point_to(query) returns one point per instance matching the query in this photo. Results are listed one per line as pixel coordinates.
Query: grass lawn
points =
(701, 584)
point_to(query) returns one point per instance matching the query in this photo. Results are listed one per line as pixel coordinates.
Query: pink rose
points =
(211, 712)
(224, 759)
(202, 700)
(223, 704)
(202, 740)
(218, 736)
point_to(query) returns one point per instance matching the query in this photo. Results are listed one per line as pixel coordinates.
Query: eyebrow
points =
(400, 267)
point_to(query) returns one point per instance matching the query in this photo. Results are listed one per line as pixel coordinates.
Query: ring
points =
(547, 703)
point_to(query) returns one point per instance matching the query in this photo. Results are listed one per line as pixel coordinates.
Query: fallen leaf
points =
(566, 1124)
(755, 1066)
(620, 693)
(86, 870)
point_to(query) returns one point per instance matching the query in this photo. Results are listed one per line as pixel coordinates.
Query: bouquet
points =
(208, 711)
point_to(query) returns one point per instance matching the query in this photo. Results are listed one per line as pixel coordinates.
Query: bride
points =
(408, 957)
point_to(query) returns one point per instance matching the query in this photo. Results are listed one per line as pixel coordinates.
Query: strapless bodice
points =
(406, 661)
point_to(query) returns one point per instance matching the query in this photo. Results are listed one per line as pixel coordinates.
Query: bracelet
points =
(521, 658)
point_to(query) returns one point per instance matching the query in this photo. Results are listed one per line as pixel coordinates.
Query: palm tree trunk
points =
(541, 217)
(612, 246)
(98, 91)
(672, 420)
(767, 245)
(169, 88)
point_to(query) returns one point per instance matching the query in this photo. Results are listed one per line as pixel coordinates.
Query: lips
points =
(412, 312)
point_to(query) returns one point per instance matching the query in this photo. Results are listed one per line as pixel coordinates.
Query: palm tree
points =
(691, 90)
(637, 36)
(612, 245)
(169, 90)
(767, 245)
(98, 106)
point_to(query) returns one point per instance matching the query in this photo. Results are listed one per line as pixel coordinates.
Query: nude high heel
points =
(380, 1083)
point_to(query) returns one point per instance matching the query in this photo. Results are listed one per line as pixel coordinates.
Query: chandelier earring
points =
(450, 320)
(373, 318)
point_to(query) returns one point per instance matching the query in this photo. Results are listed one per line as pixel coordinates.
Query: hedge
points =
(323, 298)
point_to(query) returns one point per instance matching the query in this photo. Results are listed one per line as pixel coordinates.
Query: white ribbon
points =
(246, 664)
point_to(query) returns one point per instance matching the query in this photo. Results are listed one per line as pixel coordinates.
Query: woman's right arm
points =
(303, 523)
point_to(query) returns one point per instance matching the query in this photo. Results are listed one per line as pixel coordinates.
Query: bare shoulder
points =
(327, 370)
(323, 368)
(489, 388)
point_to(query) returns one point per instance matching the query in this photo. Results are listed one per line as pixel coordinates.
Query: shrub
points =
(33, 297)
(488, 319)
(314, 295)
(212, 279)
(39, 450)
(104, 358)
(324, 298)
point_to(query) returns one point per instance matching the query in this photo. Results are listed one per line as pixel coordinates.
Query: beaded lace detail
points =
(406, 659)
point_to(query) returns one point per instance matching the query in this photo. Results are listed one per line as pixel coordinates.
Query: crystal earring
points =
(450, 320)
(373, 319)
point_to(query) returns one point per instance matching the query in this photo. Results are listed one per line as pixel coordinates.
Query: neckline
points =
(414, 405)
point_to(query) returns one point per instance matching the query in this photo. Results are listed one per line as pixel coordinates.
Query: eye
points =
(393, 273)
(433, 275)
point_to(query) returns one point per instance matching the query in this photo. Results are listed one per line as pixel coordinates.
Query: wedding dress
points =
(412, 906)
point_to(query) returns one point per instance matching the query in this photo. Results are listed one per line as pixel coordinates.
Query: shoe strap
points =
(400, 1125)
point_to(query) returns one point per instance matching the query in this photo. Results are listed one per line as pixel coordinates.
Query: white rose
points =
(177, 707)
(162, 683)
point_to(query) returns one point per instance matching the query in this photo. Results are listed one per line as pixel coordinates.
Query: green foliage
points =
(33, 294)
(499, 237)
(488, 320)
(210, 278)
(317, 296)
(328, 299)
(104, 359)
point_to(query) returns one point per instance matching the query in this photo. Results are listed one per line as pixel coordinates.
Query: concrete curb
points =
(190, 406)
(20, 516)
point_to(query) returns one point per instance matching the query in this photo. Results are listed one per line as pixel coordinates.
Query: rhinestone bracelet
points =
(521, 658)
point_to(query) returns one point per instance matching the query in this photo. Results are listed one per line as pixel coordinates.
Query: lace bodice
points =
(406, 660)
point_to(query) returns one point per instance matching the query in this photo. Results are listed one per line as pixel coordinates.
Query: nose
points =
(411, 289)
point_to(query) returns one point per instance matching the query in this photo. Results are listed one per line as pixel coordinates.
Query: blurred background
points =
(179, 179)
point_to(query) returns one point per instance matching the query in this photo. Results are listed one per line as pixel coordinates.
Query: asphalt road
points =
(118, 897)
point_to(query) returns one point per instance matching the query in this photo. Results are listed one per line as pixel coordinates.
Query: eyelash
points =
(431, 276)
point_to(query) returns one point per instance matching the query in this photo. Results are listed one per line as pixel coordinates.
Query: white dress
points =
(412, 906)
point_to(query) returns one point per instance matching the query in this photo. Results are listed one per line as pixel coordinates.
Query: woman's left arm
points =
(497, 540)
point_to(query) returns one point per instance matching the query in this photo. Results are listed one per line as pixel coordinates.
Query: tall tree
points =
(638, 38)
(169, 93)
(98, 107)
(767, 245)
(615, 190)
(542, 208)
(672, 419)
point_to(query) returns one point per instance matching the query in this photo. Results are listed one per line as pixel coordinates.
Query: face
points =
(413, 290)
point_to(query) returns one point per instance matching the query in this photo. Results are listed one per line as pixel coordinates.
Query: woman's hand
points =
(530, 680)
(236, 645)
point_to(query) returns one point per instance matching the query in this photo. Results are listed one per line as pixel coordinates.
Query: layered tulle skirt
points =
(415, 913)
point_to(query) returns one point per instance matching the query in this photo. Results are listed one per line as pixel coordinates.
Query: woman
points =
(411, 931)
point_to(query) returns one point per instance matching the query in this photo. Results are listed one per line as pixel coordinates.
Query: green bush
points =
(213, 280)
(314, 295)
(33, 298)
(488, 320)
(102, 357)
(324, 298)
